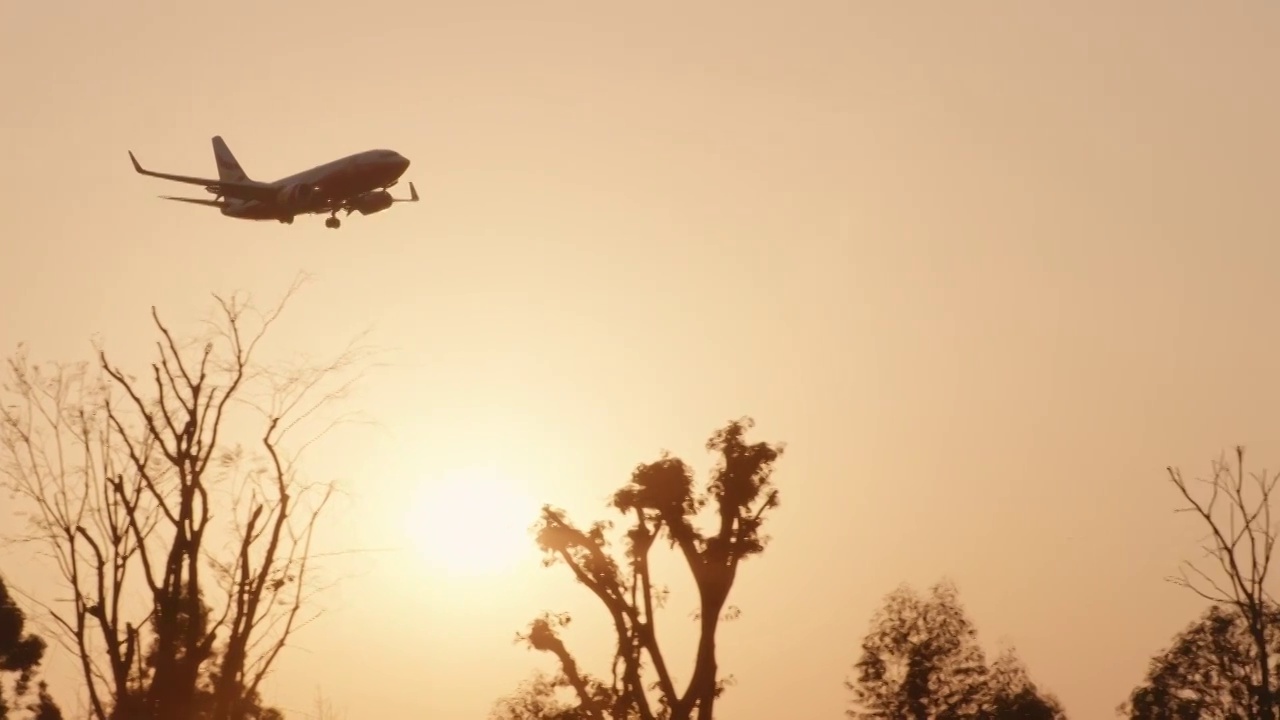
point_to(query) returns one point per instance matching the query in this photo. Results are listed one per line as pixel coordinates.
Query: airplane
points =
(354, 183)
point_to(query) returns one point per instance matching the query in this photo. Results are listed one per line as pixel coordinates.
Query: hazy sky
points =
(986, 268)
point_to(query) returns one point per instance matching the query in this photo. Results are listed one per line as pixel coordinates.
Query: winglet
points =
(413, 195)
(136, 165)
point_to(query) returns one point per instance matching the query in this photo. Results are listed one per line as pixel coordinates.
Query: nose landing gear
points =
(332, 222)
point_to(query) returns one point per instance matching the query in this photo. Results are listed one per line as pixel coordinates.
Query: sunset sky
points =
(987, 269)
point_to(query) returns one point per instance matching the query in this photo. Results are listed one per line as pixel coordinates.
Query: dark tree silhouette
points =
(44, 707)
(540, 698)
(922, 661)
(661, 501)
(20, 655)
(1236, 510)
(125, 482)
(1210, 671)
(1013, 696)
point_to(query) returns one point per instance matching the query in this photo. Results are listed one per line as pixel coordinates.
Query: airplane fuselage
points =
(350, 176)
(355, 183)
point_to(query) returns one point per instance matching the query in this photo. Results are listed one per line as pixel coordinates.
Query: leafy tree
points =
(21, 654)
(44, 707)
(125, 479)
(547, 697)
(1236, 509)
(661, 501)
(1013, 696)
(922, 661)
(1210, 671)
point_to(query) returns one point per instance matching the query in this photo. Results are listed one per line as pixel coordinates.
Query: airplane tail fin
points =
(228, 168)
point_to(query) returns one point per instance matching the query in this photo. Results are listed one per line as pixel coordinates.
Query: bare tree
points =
(325, 709)
(662, 500)
(173, 615)
(1237, 510)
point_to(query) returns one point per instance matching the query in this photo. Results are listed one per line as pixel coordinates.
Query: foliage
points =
(125, 482)
(542, 697)
(921, 661)
(1210, 671)
(21, 654)
(1013, 696)
(661, 500)
(44, 707)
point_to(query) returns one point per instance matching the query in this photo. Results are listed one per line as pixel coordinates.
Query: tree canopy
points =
(921, 661)
(21, 653)
(1210, 671)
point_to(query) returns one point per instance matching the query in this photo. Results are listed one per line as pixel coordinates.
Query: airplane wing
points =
(239, 190)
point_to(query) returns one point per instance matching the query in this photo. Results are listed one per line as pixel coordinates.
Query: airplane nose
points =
(401, 162)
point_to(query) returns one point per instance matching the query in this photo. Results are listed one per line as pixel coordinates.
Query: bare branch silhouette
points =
(187, 553)
(1236, 509)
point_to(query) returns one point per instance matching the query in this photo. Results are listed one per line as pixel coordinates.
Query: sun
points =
(471, 522)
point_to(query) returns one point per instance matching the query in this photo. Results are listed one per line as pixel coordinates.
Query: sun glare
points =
(471, 522)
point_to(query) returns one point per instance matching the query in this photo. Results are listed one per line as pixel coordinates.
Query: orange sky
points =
(986, 269)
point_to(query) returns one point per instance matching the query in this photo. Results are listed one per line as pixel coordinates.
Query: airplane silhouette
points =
(357, 182)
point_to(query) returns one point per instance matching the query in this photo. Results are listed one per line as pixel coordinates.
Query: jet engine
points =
(373, 202)
(298, 195)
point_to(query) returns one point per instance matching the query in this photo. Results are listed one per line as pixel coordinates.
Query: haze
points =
(987, 270)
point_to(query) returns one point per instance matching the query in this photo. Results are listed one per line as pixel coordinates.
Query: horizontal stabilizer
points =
(196, 201)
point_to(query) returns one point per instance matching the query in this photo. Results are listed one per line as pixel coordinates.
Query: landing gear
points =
(287, 220)
(332, 222)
